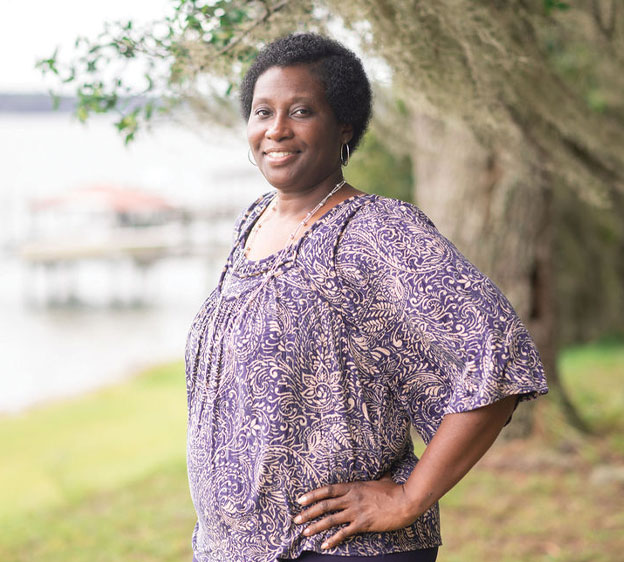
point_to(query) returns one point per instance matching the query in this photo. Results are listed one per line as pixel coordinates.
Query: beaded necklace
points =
(304, 222)
(278, 258)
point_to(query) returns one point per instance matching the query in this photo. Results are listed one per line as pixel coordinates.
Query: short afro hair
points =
(346, 85)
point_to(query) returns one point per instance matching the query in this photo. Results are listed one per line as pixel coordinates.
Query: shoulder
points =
(391, 247)
(389, 206)
(389, 212)
(384, 220)
(372, 248)
(390, 231)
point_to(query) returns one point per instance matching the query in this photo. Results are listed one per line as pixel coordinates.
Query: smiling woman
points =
(296, 142)
(293, 132)
(340, 319)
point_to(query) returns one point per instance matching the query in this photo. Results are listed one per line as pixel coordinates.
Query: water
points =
(51, 352)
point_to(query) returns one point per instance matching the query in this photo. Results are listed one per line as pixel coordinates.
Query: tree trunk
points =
(496, 208)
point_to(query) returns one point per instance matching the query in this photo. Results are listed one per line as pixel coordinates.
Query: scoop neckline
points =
(255, 264)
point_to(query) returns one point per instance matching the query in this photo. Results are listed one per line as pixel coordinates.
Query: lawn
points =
(99, 478)
(102, 477)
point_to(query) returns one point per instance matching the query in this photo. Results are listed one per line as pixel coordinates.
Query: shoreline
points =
(67, 398)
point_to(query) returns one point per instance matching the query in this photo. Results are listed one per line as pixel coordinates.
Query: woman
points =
(340, 318)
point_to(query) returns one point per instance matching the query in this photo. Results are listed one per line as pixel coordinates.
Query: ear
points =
(346, 133)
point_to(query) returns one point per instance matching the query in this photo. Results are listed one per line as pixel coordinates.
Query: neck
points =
(295, 205)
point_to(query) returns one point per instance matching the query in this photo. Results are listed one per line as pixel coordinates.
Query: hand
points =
(366, 506)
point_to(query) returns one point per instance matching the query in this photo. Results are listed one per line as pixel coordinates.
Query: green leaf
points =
(82, 113)
(56, 100)
(551, 5)
(150, 83)
(71, 77)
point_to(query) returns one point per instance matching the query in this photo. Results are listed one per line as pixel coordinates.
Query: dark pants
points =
(424, 555)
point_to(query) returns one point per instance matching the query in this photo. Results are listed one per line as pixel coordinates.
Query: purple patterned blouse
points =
(372, 322)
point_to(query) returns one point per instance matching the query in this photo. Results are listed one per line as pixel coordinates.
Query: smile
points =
(279, 154)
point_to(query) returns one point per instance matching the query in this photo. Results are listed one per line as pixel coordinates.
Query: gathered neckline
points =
(248, 266)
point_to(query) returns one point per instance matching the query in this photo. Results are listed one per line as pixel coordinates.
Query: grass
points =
(147, 520)
(556, 496)
(596, 374)
(102, 477)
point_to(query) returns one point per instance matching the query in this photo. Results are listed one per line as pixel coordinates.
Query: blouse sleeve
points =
(439, 330)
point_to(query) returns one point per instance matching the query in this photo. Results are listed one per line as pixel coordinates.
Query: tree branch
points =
(270, 11)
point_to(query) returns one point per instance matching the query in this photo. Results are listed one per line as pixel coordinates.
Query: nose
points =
(279, 128)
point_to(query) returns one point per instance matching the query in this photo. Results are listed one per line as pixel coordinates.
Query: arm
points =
(381, 505)
(459, 443)
(401, 283)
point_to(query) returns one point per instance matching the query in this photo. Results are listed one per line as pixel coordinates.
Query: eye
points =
(262, 112)
(302, 111)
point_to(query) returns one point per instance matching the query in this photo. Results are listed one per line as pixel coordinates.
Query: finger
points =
(329, 491)
(332, 520)
(320, 508)
(340, 536)
(387, 476)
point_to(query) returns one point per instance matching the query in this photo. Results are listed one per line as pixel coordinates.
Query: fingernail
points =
(302, 499)
(306, 532)
(325, 545)
(298, 519)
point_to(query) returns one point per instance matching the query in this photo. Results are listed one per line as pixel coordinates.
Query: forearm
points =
(381, 505)
(460, 441)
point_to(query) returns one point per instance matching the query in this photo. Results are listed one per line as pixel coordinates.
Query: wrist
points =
(416, 502)
(412, 506)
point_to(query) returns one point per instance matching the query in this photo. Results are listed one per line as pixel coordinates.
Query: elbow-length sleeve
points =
(429, 322)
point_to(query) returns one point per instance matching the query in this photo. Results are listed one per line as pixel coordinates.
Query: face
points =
(292, 130)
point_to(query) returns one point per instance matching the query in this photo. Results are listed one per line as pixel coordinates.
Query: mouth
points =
(280, 155)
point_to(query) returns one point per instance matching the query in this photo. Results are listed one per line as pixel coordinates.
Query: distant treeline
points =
(39, 103)
(34, 103)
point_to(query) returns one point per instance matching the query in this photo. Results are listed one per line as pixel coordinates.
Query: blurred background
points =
(118, 195)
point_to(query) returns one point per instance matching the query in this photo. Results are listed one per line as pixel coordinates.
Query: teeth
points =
(278, 154)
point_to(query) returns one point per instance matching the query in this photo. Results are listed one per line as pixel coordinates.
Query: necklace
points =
(278, 260)
(280, 255)
(258, 226)
(304, 222)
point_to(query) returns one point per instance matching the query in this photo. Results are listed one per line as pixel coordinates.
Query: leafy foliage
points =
(498, 67)
(547, 72)
(550, 5)
(174, 56)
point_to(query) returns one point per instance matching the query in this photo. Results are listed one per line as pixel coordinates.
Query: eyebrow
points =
(294, 100)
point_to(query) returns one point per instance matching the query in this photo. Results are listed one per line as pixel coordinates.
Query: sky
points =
(31, 29)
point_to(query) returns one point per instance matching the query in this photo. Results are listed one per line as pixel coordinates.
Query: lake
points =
(49, 352)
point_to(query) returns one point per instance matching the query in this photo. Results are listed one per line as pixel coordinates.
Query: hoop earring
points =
(345, 161)
(250, 159)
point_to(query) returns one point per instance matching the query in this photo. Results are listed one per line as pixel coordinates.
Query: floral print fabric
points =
(372, 322)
